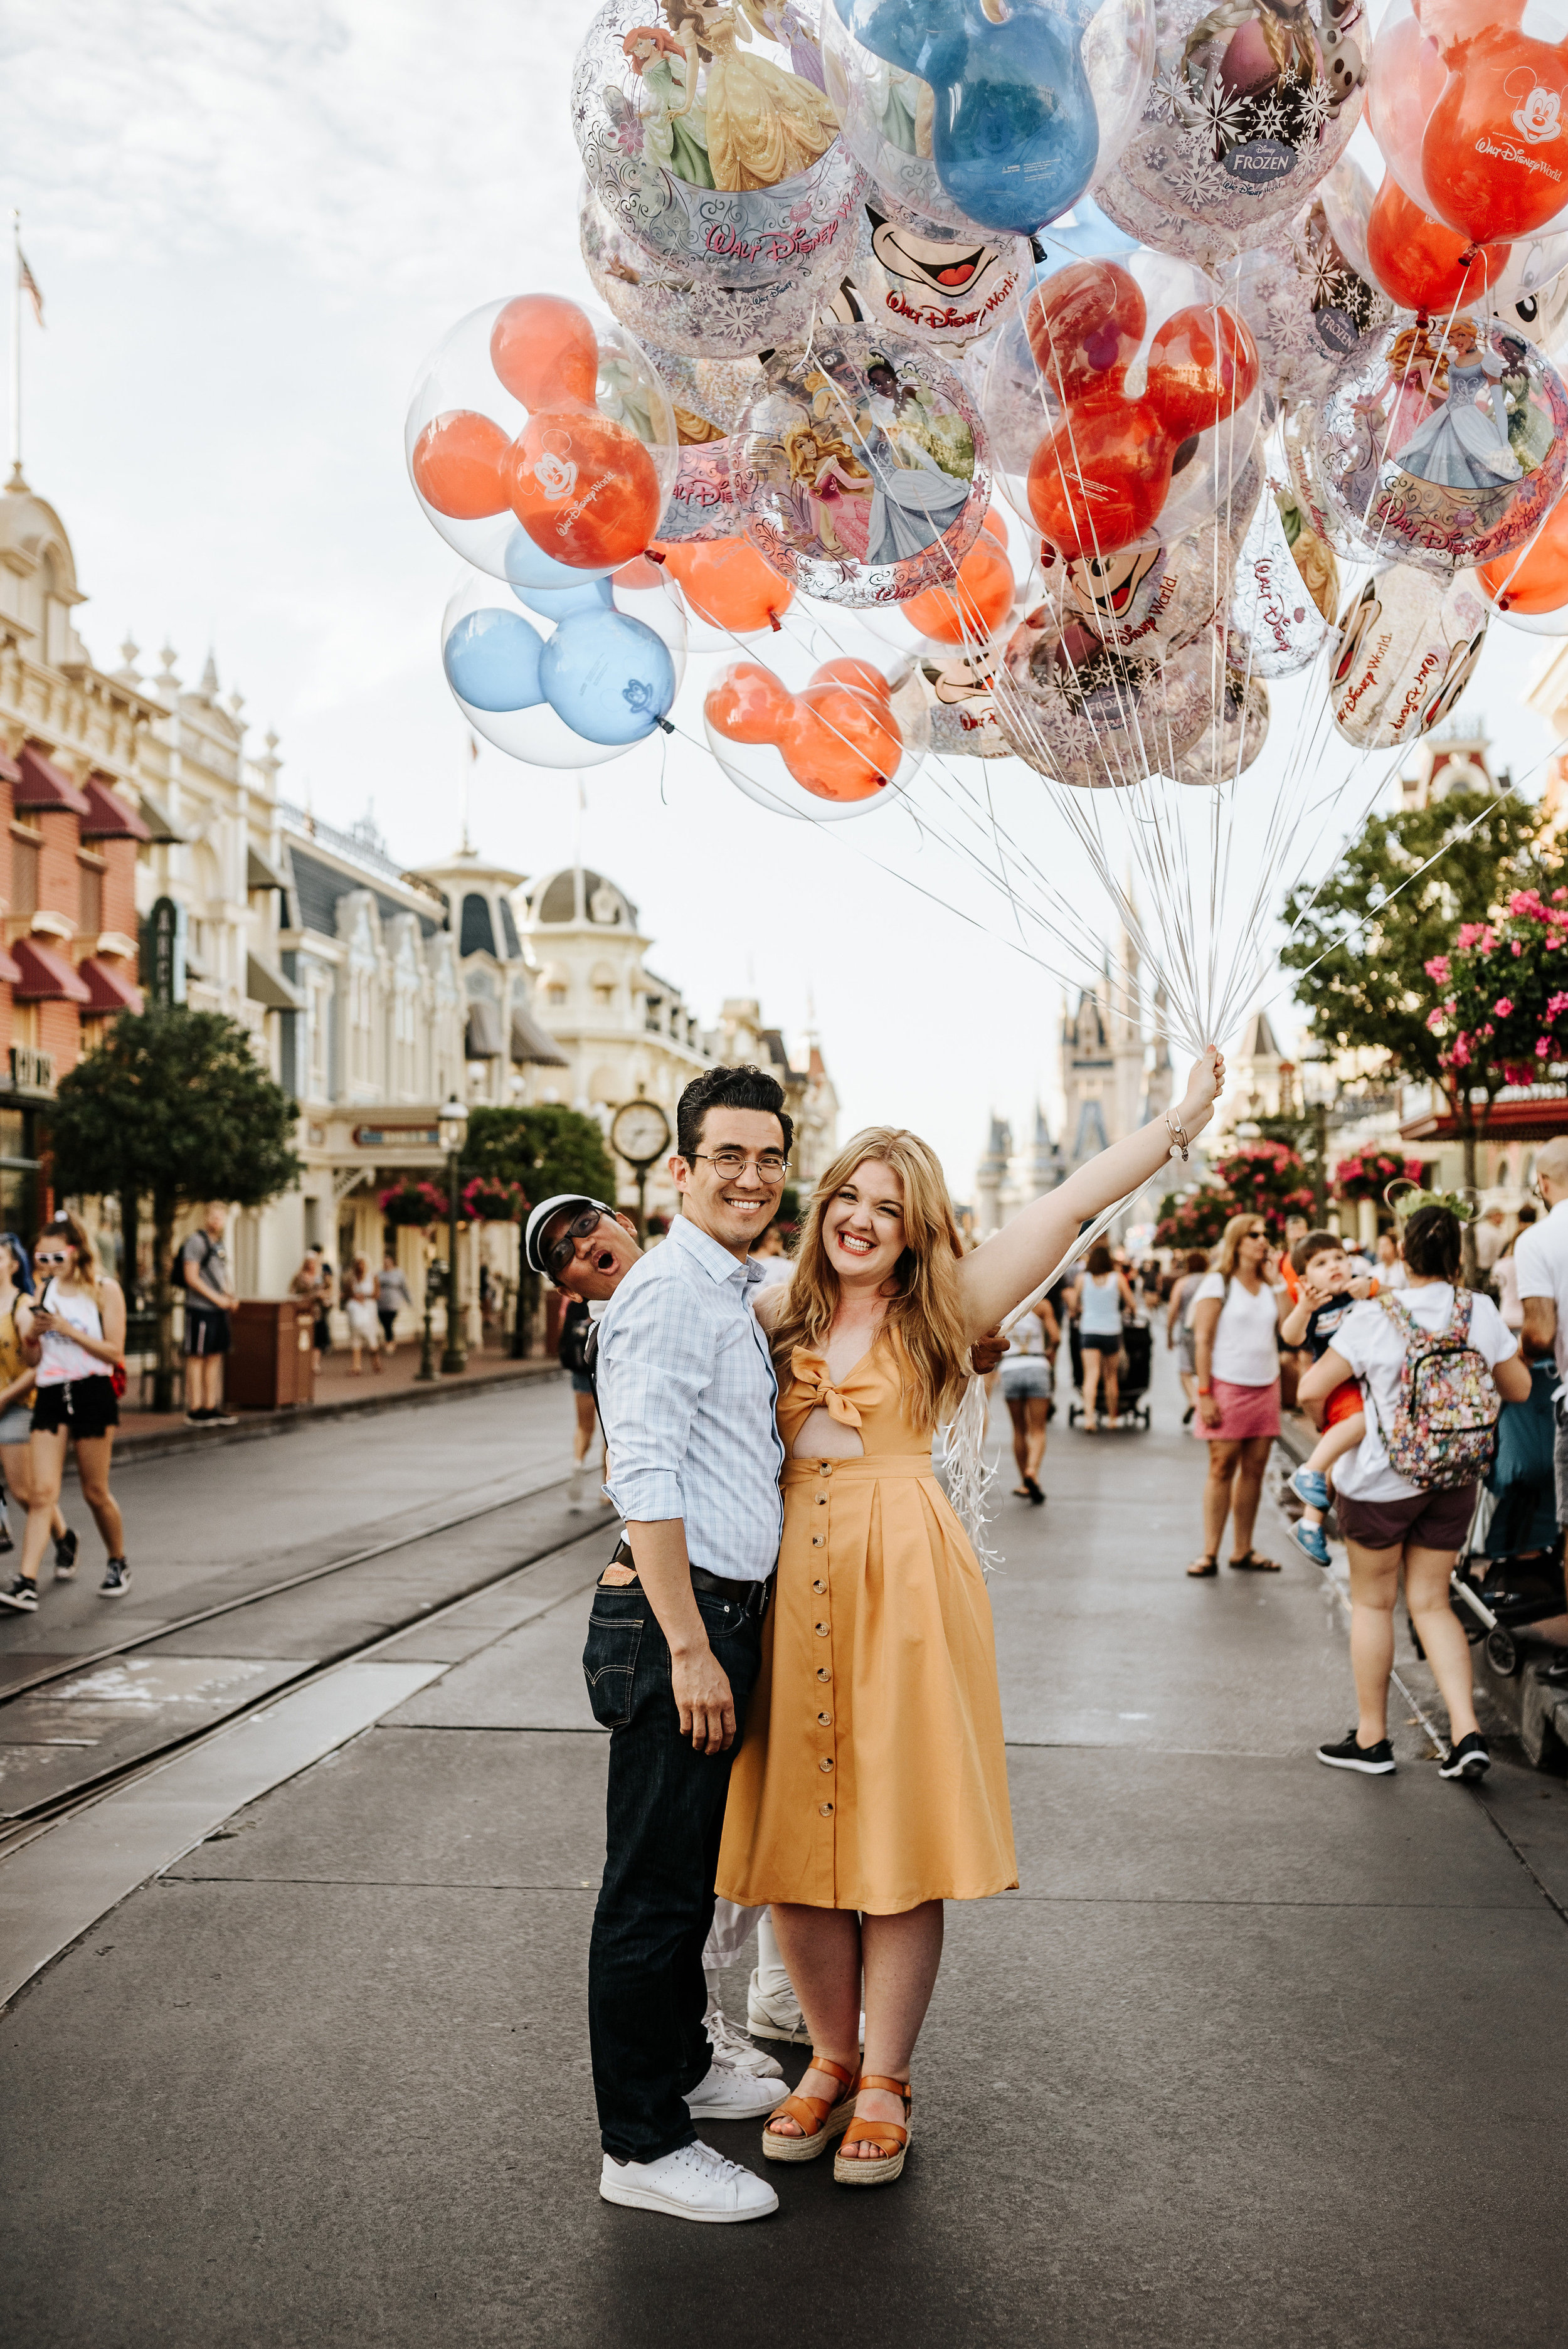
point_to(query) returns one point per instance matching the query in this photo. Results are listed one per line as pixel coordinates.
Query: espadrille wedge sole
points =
(850, 2170)
(819, 2121)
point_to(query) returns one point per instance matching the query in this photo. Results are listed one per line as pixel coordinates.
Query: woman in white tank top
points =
(75, 1333)
(1099, 1301)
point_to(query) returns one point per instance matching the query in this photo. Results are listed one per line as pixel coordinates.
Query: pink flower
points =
(1544, 1049)
(1556, 1005)
(1435, 1020)
(1460, 1053)
(1504, 1008)
(1516, 948)
(1437, 969)
(1469, 933)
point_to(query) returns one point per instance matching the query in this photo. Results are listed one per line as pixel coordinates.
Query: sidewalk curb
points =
(160, 1444)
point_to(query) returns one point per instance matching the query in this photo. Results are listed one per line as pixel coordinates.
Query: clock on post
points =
(640, 1134)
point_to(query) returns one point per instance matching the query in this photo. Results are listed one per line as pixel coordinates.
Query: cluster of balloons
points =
(1048, 365)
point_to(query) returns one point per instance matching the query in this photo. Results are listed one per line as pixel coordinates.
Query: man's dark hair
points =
(742, 1088)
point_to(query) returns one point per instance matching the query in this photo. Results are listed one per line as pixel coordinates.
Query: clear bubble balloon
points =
(1408, 643)
(1078, 711)
(1123, 399)
(1444, 445)
(960, 686)
(1252, 104)
(663, 304)
(933, 284)
(1146, 599)
(711, 139)
(982, 117)
(1308, 305)
(707, 399)
(539, 417)
(1467, 80)
(1238, 720)
(864, 468)
(1286, 594)
(565, 675)
(825, 739)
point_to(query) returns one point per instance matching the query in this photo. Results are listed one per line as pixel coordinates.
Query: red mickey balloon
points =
(1202, 366)
(1421, 264)
(1101, 478)
(1084, 325)
(1491, 154)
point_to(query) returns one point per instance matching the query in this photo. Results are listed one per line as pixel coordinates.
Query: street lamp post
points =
(427, 1369)
(452, 1132)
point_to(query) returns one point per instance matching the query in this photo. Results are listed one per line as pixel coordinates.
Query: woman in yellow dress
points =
(763, 123)
(872, 1783)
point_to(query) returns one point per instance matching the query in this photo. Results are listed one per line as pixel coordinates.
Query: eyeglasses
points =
(769, 1163)
(42, 1258)
(561, 1249)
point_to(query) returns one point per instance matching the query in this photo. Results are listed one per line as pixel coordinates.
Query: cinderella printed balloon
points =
(1444, 445)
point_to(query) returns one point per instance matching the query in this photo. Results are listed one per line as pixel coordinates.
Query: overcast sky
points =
(249, 228)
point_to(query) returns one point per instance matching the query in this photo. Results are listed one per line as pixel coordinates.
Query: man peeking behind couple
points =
(793, 1649)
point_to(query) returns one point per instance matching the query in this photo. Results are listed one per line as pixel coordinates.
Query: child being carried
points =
(1329, 1287)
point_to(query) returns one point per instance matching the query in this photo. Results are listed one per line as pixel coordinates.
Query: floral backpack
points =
(1445, 1420)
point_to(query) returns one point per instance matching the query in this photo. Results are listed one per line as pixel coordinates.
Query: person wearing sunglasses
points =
(75, 1335)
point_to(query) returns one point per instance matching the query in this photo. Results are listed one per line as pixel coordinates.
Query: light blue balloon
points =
(566, 602)
(608, 677)
(491, 661)
(526, 566)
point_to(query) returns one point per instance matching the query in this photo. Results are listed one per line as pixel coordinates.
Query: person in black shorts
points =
(204, 1277)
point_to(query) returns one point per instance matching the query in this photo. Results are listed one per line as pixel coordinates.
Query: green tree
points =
(1362, 950)
(546, 1150)
(173, 1107)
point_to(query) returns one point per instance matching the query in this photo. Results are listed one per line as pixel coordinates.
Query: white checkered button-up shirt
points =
(686, 1393)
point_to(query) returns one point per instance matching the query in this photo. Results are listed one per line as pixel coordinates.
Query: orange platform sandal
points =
(892, 2139)
(818, 2120)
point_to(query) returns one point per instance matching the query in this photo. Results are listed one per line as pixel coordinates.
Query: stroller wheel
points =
(1502, 1652)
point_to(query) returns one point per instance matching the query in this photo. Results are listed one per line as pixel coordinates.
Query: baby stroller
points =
(1135, 1368)
(1510, 1573)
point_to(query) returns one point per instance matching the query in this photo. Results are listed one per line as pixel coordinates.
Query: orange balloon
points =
(727, 584)
(460, 465)
(1407, 80)
(545, 352)
(1084, 324)
(1202, 364)
(1536, 581)
(841, 744)
(995, 525)
(975, 605)
(583, 488)
(861, 675)
(1488, 153)
(1101, 478)
(1419, 261)
(748, 704)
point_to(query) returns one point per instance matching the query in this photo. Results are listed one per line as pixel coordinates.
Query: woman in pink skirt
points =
(1235, 1322)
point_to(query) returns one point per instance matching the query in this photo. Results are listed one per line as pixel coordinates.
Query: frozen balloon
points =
(1078, 711)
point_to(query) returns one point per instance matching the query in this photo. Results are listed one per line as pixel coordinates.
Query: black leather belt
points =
(753, 1596)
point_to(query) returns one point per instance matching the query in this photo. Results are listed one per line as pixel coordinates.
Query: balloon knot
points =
(666, 724)
(774, 622)
(652, 554)
(1503, 602)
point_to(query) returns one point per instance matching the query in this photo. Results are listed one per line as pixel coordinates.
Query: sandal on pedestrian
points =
(1202, 1567)
(819, 2119)
(1252, 1563)
(892, 2139)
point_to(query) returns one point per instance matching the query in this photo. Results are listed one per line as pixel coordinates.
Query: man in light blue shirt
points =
(686, 1394)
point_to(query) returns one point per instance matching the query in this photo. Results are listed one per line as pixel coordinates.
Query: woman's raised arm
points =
(1002, 1272)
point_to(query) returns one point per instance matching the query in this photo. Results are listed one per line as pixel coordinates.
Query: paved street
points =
(1260, 2054)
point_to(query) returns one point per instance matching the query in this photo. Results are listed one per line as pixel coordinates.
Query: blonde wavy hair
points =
(823, 443)
(925, 1320)
(1230, 1247)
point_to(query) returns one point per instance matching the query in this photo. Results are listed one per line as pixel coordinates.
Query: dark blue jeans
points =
(664, 1819)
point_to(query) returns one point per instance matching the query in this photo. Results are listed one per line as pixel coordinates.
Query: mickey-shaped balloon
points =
(1015, 135)
(840, 739)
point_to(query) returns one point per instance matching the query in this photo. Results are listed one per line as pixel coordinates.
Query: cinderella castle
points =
(1114, 1079)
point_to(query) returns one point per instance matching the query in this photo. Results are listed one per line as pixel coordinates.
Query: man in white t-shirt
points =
(1541, 1258)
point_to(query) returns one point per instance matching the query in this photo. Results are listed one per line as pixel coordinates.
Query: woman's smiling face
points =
(863, 1224)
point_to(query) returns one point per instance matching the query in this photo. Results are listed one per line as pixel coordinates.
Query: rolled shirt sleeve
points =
(649, 1384)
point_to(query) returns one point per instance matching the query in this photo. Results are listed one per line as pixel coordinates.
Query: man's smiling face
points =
(600, 1261)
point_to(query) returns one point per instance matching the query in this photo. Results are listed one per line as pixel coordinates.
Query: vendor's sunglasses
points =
(561, 1249)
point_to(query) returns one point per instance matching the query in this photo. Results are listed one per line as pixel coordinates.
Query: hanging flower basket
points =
(1368, 1174)
(485, 1201)
(418, 1203)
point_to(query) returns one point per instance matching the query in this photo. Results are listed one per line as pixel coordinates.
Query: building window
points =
(23, 875)
(89, 900)
(477, 934)
(359, 1022)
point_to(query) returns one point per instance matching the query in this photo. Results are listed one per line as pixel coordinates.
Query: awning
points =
(44, 785)
(10, 773)
(46, 975)
(483, 1041)
(530, 1042)
(108, 818)
(259, 874)
(160, 830)
(265, 985)
(1534, 1119)
(109, 990)
(9, 972)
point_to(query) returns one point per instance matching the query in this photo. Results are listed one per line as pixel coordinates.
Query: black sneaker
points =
(6, 1543)
(222, 1418)
(22, 1595)
(65, 1555)
(197, 1418)
(1467, 1759)
(1373, 1760)
(116, 1579)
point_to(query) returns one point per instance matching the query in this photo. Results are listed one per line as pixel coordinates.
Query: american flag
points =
(28, 284)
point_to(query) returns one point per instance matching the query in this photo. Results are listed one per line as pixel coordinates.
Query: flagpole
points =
(15, 348)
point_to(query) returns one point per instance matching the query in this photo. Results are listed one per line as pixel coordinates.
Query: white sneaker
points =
(776, 2018)
(727, 2094)
(575, 1495)
(693, 2182)
(732, 2047)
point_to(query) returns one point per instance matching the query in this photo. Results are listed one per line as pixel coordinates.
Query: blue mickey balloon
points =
(566, 602)
(491, 661)
(526, 566)
(608, 677)
(1014, 135)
